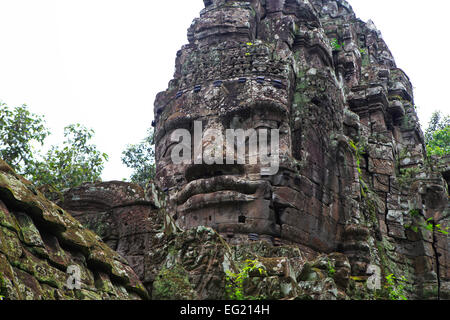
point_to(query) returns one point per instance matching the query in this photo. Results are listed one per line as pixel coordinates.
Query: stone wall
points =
(354, 176)
(39, 241)
(120, 214)
(356, 191)
(405, 186)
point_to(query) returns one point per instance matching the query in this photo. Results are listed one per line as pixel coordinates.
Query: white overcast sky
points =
(101, 62)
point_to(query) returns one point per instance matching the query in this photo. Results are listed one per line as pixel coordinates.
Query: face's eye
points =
(172, 140)
(168, 150)
(258, 128)
(266, 124)
(168, 146)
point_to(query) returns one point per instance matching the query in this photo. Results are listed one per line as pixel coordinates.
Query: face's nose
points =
(209, 145)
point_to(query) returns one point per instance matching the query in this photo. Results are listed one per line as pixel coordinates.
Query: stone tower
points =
(354, 176)
(354, 200)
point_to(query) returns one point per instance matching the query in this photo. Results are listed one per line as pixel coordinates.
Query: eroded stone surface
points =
(120, 214)
(39, 241)
(355, 191)
(354, 175)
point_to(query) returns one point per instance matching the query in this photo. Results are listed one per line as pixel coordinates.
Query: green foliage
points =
(234, 287)
(359, 150)
(407, 175)
(396, 287)
(173, 284)
(331, 270)
(71, 164)
(141, 158)
(410, 173)
(336, 45)
(20, 130)
(248, 46)
(440, 145)
(414, 212)
(365, 61)
(437, 136)
(429, 224)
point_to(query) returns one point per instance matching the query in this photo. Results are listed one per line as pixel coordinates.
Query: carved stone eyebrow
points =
(269, 107)
(180, 122)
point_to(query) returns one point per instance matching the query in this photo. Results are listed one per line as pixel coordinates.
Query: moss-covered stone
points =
(39, 241)
(8, 287)
(29, 233)
(7, 219)
(10, 244)
(173, 284)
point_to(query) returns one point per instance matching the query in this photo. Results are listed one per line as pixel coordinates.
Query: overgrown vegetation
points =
(331, 270)
(359, 150)
(141, 158)
(20, 132)
(437, 135)
(173, 283)
(396, 287)
(408, 175)
(248, 47)
(76, 160)
(69, 165)
(335, 44)
(429, 224)
(234, 287)
(63, 166)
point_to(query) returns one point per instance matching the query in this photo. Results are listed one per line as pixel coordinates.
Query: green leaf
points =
(141, 158)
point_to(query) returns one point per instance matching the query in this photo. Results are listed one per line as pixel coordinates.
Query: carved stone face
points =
(232, 77)
(226, 196)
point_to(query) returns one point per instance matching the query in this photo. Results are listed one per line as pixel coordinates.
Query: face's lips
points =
(228, 188)
(200, 201)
